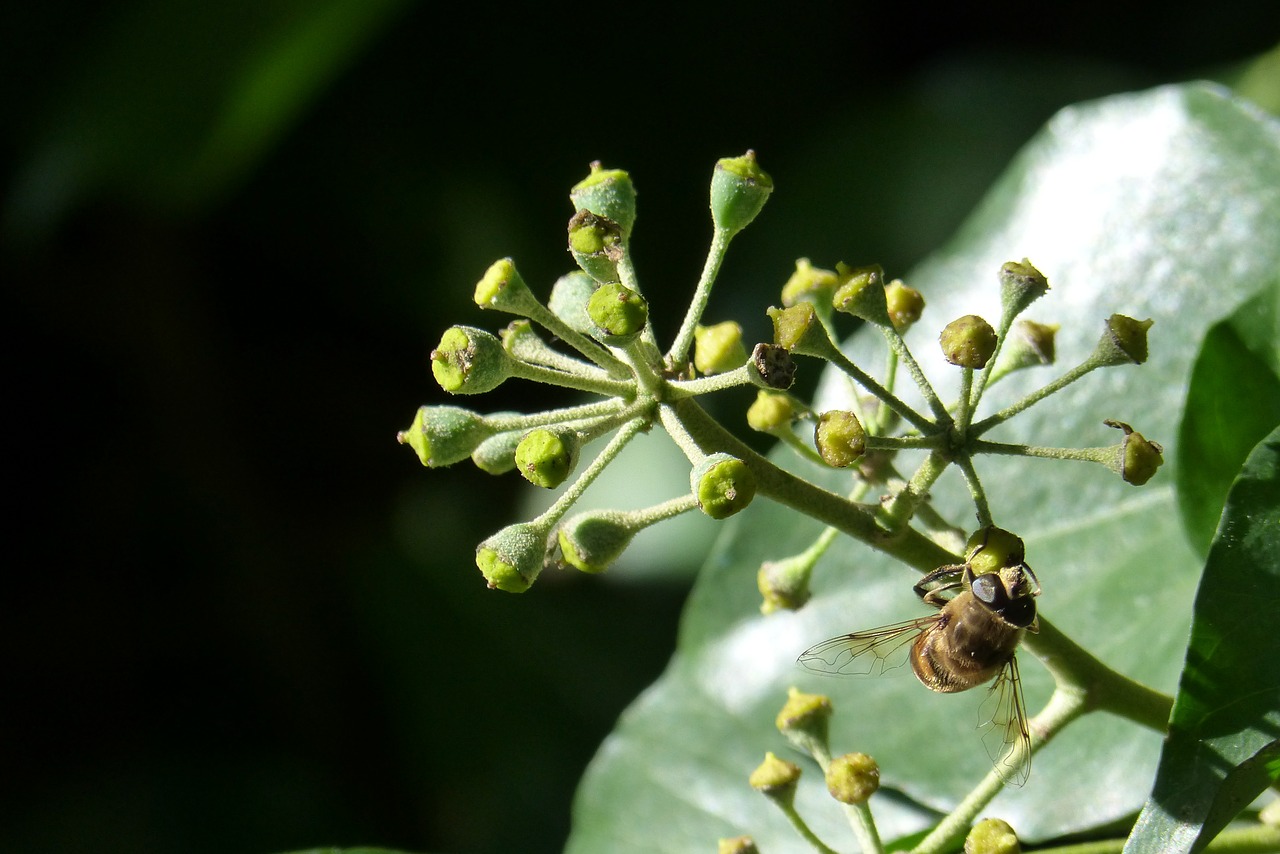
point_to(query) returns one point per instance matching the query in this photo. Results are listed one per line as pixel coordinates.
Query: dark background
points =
(240, 616)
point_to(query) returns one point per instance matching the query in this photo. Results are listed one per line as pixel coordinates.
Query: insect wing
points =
(1003, 717)
(866, 653)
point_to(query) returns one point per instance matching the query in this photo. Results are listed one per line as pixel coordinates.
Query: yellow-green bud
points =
(619, 313)
(545, 457)
(497, 454)
(776, 779)
(739, 189)
(784, 584)
(608, 193)
(992, 836)
(723, 485)
(1123, 342)
(592, 541)
(1028, 345)
(991, 549)
(804, 719)
(503, 288)
(469, 361)
(596, 244)
(444, 435)
(840, 439)
(798, 329)
(1020, 285)
(968, 341)
(809, 284)
(569, 297)
(718, 348)
(1137, 457)
(904, 304)
(861, 292)
(737, 845)
(853, 778)
(773, 366)
(771, 412)
(511, 559)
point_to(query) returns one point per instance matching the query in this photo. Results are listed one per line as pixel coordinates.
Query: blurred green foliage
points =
(244, 619)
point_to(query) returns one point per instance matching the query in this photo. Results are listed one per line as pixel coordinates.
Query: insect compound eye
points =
(1019, 612)
(989, 591)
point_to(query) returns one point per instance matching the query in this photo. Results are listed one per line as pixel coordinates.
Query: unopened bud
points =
(497, 454)
(861, 292)
(469, 361)
(809, 284)
(1123, 342)
(991, 549)
(511, 559)
(904, 304)
(992, 836)
(776, 779)
(718, 348)
(798, 329)
(968, 342)
(853, 778)
(737, 845)
(1028, 345)
(804, 720)
(771, 412)
(784, 584)
(569, 297)
(619, 313)
(773, 366)
(840, 439)
(444, 435)
(723, 485)
(596, 244)
(1138, 457)
(739, 189)
(592, 541)
(545, 457)
(1020, 285)
(608, 193)
(503, 288)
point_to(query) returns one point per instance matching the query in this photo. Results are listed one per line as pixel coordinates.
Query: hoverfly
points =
(972, 639)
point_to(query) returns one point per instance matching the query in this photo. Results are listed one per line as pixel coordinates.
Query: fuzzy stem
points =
(679, 353)
(715, 382)
(550, 376)
(1035, 397)
(845, 364)
(899, 346)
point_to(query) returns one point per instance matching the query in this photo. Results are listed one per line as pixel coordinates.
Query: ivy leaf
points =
(1163, 204)
(1225, 728)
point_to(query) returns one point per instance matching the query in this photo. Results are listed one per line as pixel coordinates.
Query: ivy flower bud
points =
(497, 454)
(1123, 342)
(968, 341)
(798, 329)
(861, 292)
(904, 304)
(992, 836)
(569, 297)
(776, 779)
(596, 244)
(773, 366)
(718, 348)
(511, 559)
(739, 189)
(469, 361)
(991, 549)
(853, 778)
(619, 313)
(723, 485)
(592, 541)
(804, 720)
(1028, 345)
(444, 435)
(607, 193)
(771, 412)
(840, 439)
(545, 457)
(784, 584)
(503, 288)
(1020, 285)
(809, 284)
(1137, 457)
(737, 845)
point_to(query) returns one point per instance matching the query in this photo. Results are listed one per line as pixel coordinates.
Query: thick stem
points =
(679, 353)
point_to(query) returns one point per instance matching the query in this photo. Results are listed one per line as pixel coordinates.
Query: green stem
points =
(964, 406)
(619, 441)
(550, 376)
(1035, 397)
(614, 407)
(544, 317)
(679, 353)
(789, 810)
(861, 822)
(1256, 839)
(715, 382)
(898, 511)
(899, 346)
(979, 495)
(627, 275)
(668, 509)
(845, 364)
(1104, 455)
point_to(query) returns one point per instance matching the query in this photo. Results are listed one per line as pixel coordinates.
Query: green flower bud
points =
(784, 584)
(804, 720)
(619, 313)
(545, 457)
(569, 297)
(771, 413)
(444, 435)
(776, 779)
(992, 836)
(469, 361)
(497, 454)
(592, 541)
(737, 845)
(1020, 285)
(596, 244)
(1123, 342)
(991, 549)
(904, 304)
(798, 329)
(1137, 457)
(723, 485)
(840, 439)
(968, 342)
(773, 367)
(739, 189)
(853, 778)
(503, 288)
(809, 284)
(511, 559)
(718, 348)
(608, 193)
(861, 292)
(1028, 345)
